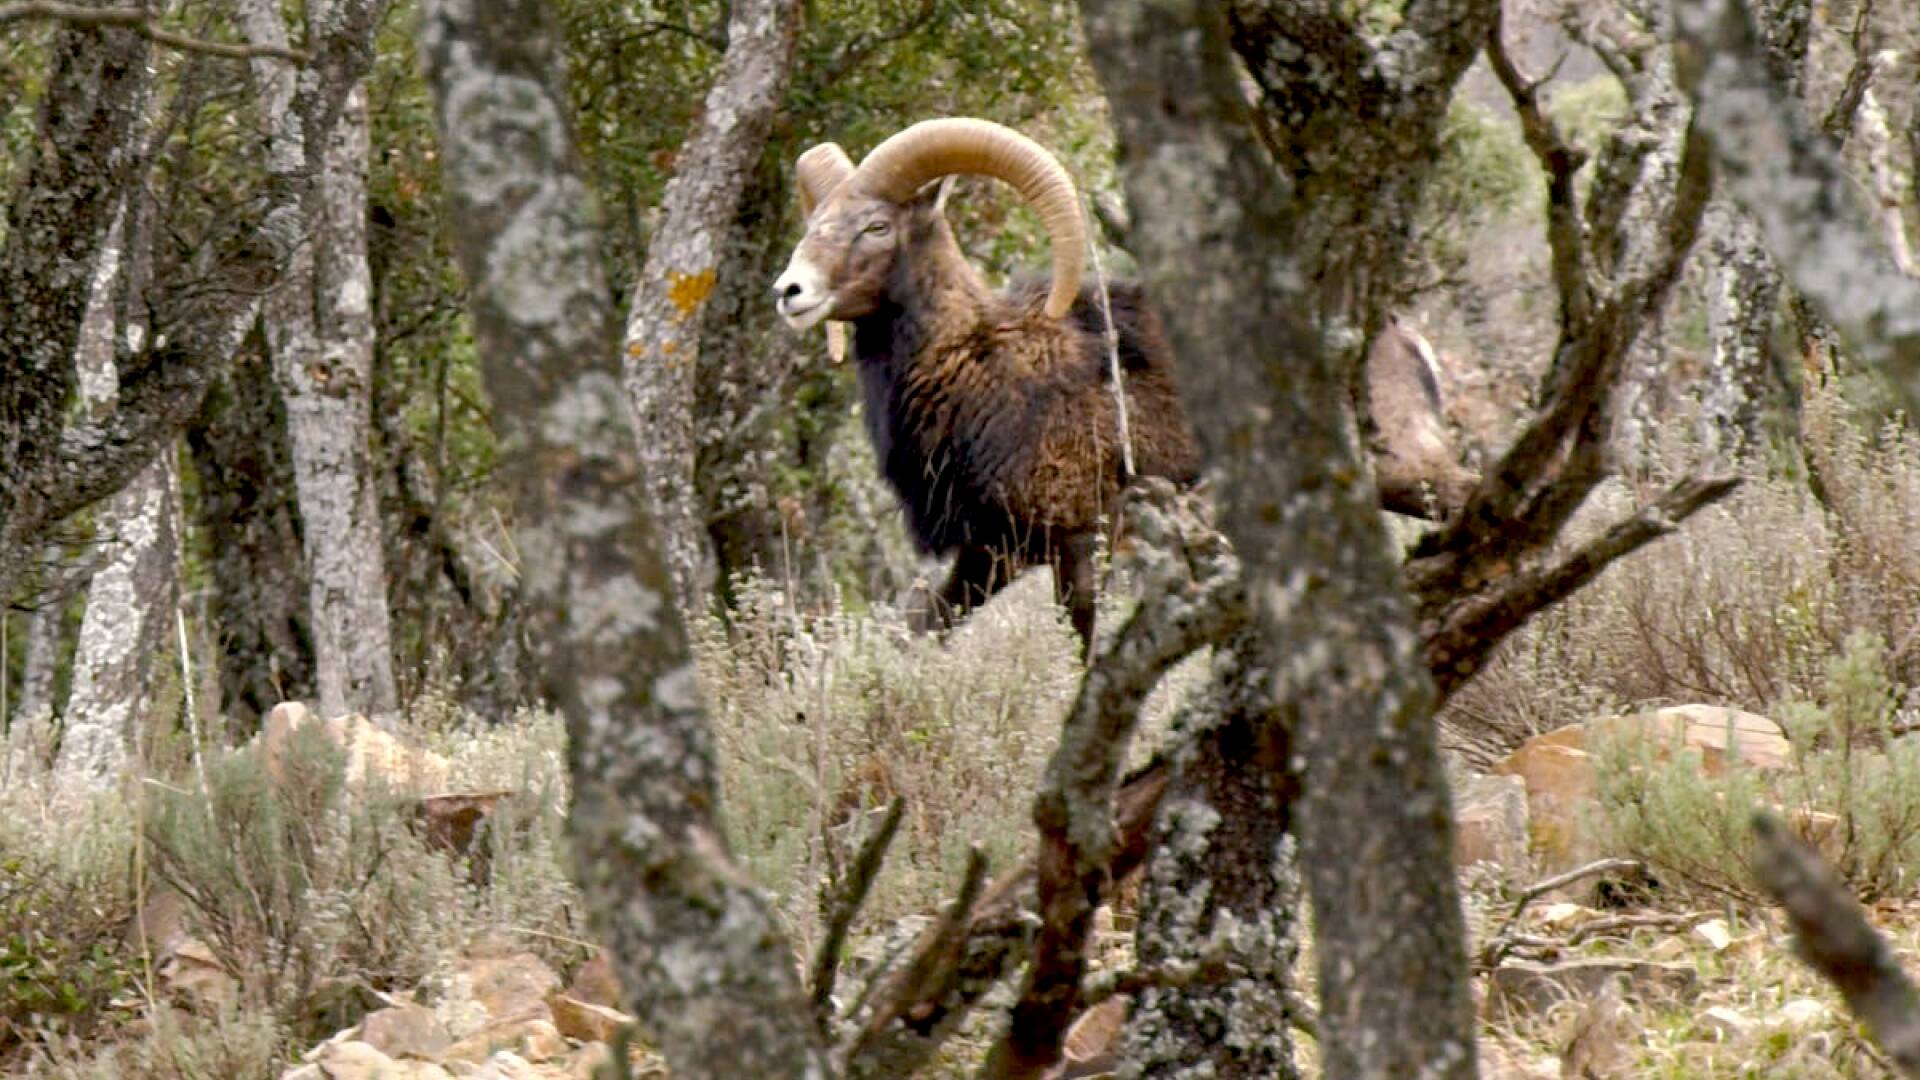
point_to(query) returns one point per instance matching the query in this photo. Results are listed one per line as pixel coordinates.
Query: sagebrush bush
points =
(822, 718)
(1853, 789)
(66, 966)
(1741, 607)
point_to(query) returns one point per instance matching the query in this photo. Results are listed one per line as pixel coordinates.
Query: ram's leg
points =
(978, 573)
(1073, 586)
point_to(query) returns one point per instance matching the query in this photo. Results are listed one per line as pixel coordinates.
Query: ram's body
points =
(992, 413)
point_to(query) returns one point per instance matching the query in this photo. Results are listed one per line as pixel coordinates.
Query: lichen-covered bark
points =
(1744, 383)
(130, 602)
(1217, 227)
(1780, 169)
(1225, 821)
(703, 963)
(684, 256)
(86, 154)
(319, 324)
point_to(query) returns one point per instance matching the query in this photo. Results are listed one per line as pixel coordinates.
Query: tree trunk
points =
(1221, 891)
(39, 661)
(86, 153)
(130, 604)
(257, 595)
(320, 330)
(670, 308)
(1217, 228)
(1745, 385)
(701, 958)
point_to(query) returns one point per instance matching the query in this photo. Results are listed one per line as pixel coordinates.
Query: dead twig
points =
(1505, 938)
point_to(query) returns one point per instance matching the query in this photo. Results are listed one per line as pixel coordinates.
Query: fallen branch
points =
(1833, 936)
(144, 22)
(1504, 938)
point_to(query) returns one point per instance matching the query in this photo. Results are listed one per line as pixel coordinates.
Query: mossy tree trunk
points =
(1266, 275)
(703, 964)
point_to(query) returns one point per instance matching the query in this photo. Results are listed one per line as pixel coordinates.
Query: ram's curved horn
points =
(934, 148)
(819, 171)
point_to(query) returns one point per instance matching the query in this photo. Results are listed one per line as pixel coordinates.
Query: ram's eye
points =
(877, 228)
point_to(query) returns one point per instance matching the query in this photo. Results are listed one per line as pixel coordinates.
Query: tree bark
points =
(130, 603)
(1217, 227)
(86, 155)
(1744, 383)
(1220, 899)
(320, 330)
(702, 960)
(670, 300)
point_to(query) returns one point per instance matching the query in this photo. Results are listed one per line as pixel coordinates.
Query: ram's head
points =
(859, 220)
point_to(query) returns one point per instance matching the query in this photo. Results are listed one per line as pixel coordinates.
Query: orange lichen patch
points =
(689, 291)
(636, 349)
(669, 347)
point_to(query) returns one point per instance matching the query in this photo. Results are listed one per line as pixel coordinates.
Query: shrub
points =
(1853, 789)
(66, 967)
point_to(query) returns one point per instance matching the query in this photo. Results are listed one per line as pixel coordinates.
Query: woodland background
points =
(257, 451)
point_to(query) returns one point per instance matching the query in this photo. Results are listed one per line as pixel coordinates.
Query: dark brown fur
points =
(995, 424)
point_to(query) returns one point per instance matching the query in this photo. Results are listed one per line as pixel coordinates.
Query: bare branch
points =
(1460, 636)
(909, 1017)
(845, 904)
(1561, 159)
(1503, 938)
(1190, 582)
(1833, 936)
(142, 21)
(1794, 184)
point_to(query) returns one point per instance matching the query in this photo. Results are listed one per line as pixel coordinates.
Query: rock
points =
(1522, 987)
(460, 824)
(1491, 824)
(1499, 1061)
(1566, 916)
(195, 975)
(406, 1031)
(1715, 933)
(1558, 767)
(1724, 1023)
(1800, 1014)
(584, 1020)
(513, 986)
(1560, 790)
(355, 1060)
(370, 751)
(533, 1039)
(595, 983)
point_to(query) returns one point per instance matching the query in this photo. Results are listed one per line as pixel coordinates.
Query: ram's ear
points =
(932, 196)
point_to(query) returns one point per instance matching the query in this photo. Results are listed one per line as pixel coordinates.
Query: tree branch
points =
(1794, 184)
(844, 906)
(144, 22)
(1833, 936)
(1460, 637)
(1566, 238)
(1190, 584)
